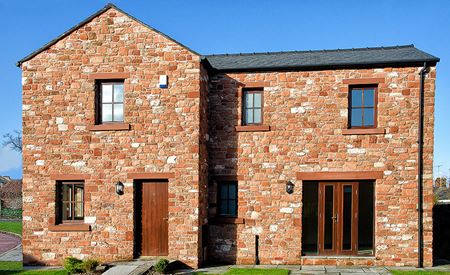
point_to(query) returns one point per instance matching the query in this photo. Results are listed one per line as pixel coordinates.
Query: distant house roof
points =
(383, 56)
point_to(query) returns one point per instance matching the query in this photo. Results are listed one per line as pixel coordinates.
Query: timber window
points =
(252, 107)
(363, 107)
(70, 201)
(227, 199)
(110, 102)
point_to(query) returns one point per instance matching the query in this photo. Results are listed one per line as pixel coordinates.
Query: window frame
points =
(99, 101)
(60, 202)
(220, 185)
(375, 106)
(244, 106)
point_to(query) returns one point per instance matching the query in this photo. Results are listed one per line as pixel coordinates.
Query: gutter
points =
(422, 74)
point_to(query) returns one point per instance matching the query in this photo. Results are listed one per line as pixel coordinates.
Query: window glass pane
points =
(223, 207)
(66, 211)
(369, 97)
(232, 191)
(118, 93)
(106, 93)
(257, 100)
(232, 207)
(257, 116)
(356, 119)
(356, 98)
(249, 116)
(369, 117)
(224, 191)
(78, 193)
(66, 192)
(106, 112)
(248, 100)
(118, 112)
(79, 210)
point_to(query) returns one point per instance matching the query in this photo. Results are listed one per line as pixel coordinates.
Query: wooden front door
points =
(338, 218)
(155, 218)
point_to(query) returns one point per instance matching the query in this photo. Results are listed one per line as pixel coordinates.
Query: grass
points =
(254, 271)
(412, 272)
(13, 227)
(16, 268)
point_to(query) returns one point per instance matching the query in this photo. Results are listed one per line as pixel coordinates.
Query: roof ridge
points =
(313, 51)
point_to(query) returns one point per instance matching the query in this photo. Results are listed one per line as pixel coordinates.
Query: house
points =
(11, 194)
(136, 145)
(4, 180)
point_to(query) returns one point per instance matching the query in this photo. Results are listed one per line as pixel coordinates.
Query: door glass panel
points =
(328, 216)
(365, 218)
(347, 218)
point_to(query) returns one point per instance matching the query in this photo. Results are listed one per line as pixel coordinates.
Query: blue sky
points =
(237, 26)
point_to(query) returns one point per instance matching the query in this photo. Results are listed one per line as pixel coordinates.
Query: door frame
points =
(338, 207)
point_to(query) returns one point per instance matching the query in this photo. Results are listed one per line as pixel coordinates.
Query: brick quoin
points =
(191, 134)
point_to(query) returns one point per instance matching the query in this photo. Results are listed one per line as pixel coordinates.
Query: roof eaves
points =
(85, 21)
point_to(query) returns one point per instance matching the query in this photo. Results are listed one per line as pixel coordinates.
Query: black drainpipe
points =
(422, 73)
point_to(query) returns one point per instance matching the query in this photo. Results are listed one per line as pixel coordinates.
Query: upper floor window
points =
(227, 198)
(70, 201)
(253, 107)
(110, 102)
(363, 107)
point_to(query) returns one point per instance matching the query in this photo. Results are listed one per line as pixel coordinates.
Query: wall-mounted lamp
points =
(290, 187)
(119, 188)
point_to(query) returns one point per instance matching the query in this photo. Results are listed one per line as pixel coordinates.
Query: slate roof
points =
(383, 56)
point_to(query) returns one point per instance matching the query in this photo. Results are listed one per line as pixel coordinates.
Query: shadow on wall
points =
(29, 259)
(223, 156)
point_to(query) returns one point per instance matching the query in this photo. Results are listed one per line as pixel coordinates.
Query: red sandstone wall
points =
(307, 112)
(58, 108)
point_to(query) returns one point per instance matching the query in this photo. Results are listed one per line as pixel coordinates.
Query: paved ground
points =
(8, 242)
(297, 269)
(317, 269)
(10, 247)
(14, 255)
(130, 268)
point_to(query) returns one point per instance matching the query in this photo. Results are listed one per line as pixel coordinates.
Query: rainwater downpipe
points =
(422, 74)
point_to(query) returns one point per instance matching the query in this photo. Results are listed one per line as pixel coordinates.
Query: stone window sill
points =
(252, 128)
(226, 220)
(79, 227)
(371, 131)
(110, 127)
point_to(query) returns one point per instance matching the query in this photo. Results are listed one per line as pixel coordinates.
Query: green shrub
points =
(161, 265)
(73, 265)
(89, 265)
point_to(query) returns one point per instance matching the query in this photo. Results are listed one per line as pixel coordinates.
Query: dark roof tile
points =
(320, 59)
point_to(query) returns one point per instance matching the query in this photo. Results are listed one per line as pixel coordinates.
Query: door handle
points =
(335, 218)
(166, 218)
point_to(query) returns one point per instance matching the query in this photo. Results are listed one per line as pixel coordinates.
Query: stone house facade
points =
(135, 145)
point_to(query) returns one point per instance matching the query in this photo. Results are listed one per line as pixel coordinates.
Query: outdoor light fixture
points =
(119, 188)
(289, 187)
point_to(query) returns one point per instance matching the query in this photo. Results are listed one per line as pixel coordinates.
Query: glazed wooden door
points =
(154, 219)
(338, 218)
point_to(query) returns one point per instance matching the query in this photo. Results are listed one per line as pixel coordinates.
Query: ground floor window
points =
(338, 218)
(70, 201)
